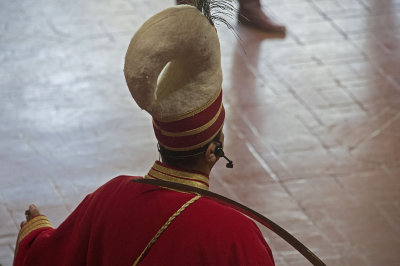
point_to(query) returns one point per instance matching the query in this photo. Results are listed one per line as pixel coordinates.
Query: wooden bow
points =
(308, 254)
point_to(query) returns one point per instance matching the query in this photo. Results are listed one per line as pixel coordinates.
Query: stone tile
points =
(6, 255)
(245, 193)
(312, 119)
(303, 164)
(365, 189)
(326, 191)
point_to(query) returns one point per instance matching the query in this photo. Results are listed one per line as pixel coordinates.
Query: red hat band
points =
(192, 130)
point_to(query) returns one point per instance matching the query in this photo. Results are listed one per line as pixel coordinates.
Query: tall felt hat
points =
(173, 71)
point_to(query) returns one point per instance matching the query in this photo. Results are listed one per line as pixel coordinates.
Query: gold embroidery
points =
(34, 227)
(180, 173)
(36, 223)
(194, 146)
(165, 226)
(176, 190)
(177, 180)
(192, 131)
(191, 113)
(178, 176)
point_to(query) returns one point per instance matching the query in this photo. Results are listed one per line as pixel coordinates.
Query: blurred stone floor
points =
(313, 119)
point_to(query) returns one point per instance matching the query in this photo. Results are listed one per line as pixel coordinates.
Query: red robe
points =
(114, 224)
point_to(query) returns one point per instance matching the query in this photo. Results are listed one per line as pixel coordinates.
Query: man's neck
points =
(198, 167)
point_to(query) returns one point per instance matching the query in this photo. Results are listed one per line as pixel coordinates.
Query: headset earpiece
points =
(219, 152)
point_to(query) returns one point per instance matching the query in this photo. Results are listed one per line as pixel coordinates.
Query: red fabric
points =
(191, 123)
(194, 121)
(114, 224)
(191, 140)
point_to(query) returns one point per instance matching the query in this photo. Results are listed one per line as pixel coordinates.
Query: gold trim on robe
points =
(164, 227)
(163, 172)
(37, 222)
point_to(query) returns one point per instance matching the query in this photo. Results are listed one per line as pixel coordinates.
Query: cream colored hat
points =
(185, 101)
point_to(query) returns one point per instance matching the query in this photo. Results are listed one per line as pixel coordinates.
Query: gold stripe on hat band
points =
(193, 112)
(194, 146)
(192, 131)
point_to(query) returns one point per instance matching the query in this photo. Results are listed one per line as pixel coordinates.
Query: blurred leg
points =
(251, 14)
(184, 2)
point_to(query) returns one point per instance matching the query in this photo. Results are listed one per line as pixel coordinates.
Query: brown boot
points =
(251, 14)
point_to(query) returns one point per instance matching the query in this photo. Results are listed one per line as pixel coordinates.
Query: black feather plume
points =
(216, 10)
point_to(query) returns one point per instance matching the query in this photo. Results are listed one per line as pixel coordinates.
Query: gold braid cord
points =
(165, 226)
(308, 254)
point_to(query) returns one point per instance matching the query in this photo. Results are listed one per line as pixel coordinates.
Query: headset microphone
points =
(219, 152)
